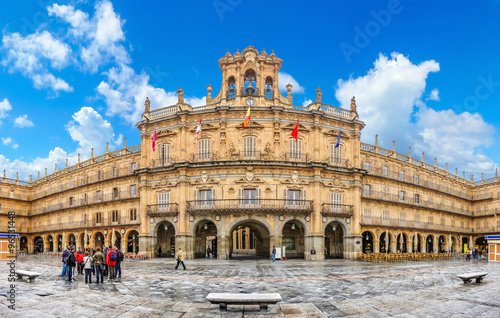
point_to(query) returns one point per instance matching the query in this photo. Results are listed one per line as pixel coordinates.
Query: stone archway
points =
(165, 239)
(262, 236)
(429, 244)
(367, 242)
(334, 239)
(133, 242)
(38, 244)
(60, 246)
(23, 244)
(50, 239)
(385, 244)
(71, 240)
(293, 238)
(417, 243)
(401, 243)
(205, 236)
(98, 239)
(442, 244)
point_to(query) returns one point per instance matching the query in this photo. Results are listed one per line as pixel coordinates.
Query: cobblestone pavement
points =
(331, 288)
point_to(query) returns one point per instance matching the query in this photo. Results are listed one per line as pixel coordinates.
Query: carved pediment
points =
(291, 126)
(253, 125)
(336, 183)
(245, 180)
(205, 127)
(335, 133)
(165, 132)
(290, 181)
(208, 181)
(164, 183)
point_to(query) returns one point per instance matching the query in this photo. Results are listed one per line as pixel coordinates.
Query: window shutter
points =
(118, 216)
(161, 153)
(196, 195)
(285, 196)
(303, 195)
(240, 196)
(259, 196)
(213, 194)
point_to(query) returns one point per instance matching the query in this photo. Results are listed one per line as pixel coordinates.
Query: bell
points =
(232, 91)
(268, 90)
(250, 90)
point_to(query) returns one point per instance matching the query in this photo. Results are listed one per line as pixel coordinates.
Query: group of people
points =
(99, 262)
(475, 253)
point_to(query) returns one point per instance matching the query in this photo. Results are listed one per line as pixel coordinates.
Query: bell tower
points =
(249, 76)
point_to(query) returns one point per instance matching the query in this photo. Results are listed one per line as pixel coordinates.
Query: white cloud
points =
(23, 121)
(434, 95)
(15, 146)
(32, 55)
(307, 102)
(89, 129)
(7, 140)
(25, 169)
(100, 36)
(5, 106)
(284, 79)
(389, 100)
(125, 93)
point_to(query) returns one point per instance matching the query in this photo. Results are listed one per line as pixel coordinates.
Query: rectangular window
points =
(336, 201)
(99, 195)
(498, 223)
(164, 153)
(204, 149)
(442, 221)
(114, 216)
(289, 243)
(98, 218)
(295, 149)
(249, 147)
(115, 193)
(114, 172)
(84, 179)
(402, 196)
(85, 198)
(385, 191)
(133, 215)
(336, 154)
(385, 171)
(205, 197)
(133, 190)
(386, 215)
(99, 175)
(133, 166)
(367, 189)
(163, 201)
(85, 219)
(401, 175)
(417, 198)
(249, 196)
(367, 166)
(11, 194)
(71, 201)
(416, 179)
(367, 213)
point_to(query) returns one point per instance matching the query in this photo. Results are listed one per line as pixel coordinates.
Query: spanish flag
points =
(247, 118)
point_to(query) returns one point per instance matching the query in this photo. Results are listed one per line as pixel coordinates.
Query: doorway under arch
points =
(23, 244)
(165, 240)
(38, 244)
(334, 240)
(293, 235)
(481, 243)
(133, 242)
(50, 239)
(429, 243)
(417, 243)
(205, 238)
(465, 244)
(367, 242)
(249, 239)
(98, 239)
(59, 243)
(442, 244)
(385, 244)
(72, 240)
(401, 245)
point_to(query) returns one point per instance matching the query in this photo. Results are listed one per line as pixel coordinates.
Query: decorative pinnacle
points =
(376, 140)
(423, 157)
(107, 147)
(409, 152)
(66, 162)
(125, 142)
(394, 146)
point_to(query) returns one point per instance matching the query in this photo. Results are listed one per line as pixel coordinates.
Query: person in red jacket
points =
(79, 258)
(111, 258)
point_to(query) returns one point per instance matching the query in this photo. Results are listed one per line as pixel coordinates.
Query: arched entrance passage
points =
(50, 239)
(367, 242)
(481, 243)
(59, 243)
(417, 243)
(429, 243)
(118, 240)
(401, 243)
(442, 244)
(23, 244)
(98, 239)
(385, 244)
(334, 240)
(454, 245)
(205, 237)
(72, 240)
(133, 242)
(38, 244)
(249, 238)
(292, 240)
(465, 244)
(165, 240)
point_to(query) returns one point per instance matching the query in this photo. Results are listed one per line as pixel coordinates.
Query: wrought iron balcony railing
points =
(165, 209)
(340, 210)
(232, 206)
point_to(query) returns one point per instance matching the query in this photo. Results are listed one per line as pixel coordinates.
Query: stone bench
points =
(469, 276)
(223, 299)
(31, 275)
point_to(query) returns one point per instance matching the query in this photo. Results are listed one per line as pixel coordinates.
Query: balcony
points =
(389, 197)
(336, 210)
(122, 221)
(166, 209)
(397, 223)
(236, 206)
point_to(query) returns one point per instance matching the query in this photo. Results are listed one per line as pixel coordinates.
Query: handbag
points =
(103, 268)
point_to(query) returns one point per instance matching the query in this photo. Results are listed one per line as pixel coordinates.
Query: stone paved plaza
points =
(330, 288)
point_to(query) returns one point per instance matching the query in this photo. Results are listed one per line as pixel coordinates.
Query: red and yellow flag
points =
(247, 118)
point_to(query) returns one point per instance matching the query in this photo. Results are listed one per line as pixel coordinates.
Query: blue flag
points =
(338, 138)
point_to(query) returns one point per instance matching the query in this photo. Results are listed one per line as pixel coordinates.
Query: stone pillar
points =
(223, 247)
(394, 242)
(147, 245)
(409, 245)
(435, 243)
(376, 245)
(316, 241)
(46, 243)
(353, 246)
(186, 243)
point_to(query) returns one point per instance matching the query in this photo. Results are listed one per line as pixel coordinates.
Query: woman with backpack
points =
(99, 264)
(87, 265)
(111, 258)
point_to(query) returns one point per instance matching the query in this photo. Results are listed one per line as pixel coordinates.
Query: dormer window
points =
(250, 87)
(269, 88)
(231, 88)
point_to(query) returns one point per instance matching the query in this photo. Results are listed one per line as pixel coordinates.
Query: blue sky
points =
(74, 74)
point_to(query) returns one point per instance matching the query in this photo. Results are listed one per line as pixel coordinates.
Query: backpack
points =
(113, 257)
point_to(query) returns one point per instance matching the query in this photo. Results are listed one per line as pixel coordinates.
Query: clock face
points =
(250, 102)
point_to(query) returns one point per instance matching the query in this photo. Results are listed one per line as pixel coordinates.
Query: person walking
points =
(71, 262)
(111, 258)
(98, 264)
(274, 253)
(79, 258)
(87, 264)
(313, 254)
(65, 255)
(119, 260)
(208, 251)
(105, 253)
(469, 253)
(180, 259)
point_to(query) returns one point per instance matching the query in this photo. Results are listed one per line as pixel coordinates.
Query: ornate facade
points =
(255, 187)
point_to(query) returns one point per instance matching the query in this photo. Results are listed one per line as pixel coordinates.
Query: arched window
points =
(269, 88)
(250, 78)
(231, 88)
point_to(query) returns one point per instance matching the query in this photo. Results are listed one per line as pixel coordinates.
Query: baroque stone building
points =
(251, 188)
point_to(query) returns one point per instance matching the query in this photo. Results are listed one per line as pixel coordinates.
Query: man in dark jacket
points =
(79, 258)
(65, 255)
(119, 260)
(71, 262)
